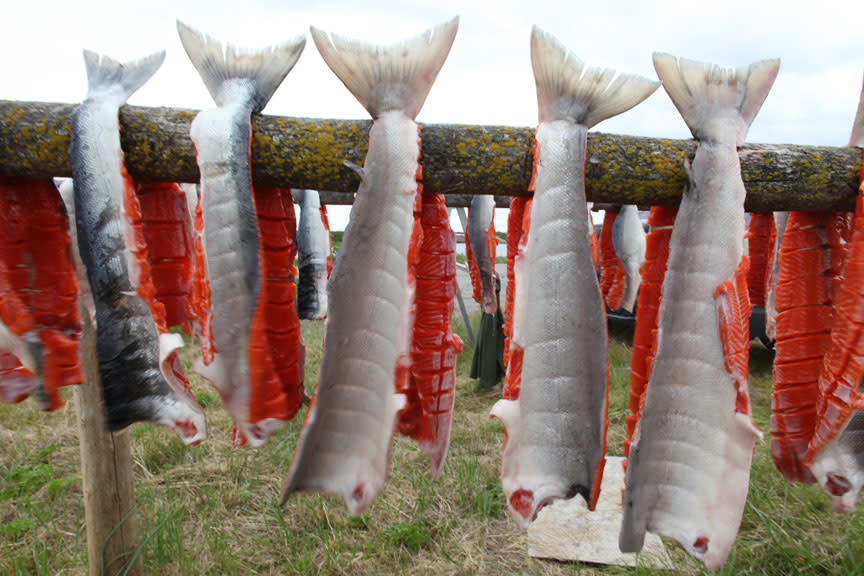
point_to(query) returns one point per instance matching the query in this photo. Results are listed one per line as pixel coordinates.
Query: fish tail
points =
(105, 73)
(700, 91)
(857, 138)
(266, 68)
(568, 90)
(396, 77)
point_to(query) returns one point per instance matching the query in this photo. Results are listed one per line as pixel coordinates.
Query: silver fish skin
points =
(556, 429)
(480, 219)
(628, 237)
(313, 248)
(689, 466)
(345, 442)
(780, 220)
(137, 365)
(841, 462)
(240, 84)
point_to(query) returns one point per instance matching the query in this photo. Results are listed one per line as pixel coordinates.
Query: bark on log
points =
(457, 159)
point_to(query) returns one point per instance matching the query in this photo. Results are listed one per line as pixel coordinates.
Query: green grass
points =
(212, 509)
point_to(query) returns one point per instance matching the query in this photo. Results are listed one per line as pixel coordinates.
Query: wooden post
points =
(106, 473)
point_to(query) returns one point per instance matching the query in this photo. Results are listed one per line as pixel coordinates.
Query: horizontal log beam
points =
(457, 159)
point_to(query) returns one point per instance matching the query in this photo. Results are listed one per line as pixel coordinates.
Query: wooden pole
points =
(106, 474)
(457, 159)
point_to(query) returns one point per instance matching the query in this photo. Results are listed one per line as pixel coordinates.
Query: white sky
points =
(487, 78)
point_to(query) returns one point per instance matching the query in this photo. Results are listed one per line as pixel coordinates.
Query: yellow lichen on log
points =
(457, 159)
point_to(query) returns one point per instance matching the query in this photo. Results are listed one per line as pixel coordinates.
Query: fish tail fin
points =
(385, 78)
(857, 138)
(702, 92)
(105, 73)
(566, 89)
(266, 68)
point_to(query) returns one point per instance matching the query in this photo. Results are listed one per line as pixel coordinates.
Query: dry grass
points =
(213, 509)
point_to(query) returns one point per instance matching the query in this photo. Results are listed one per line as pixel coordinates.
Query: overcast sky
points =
(487, 78)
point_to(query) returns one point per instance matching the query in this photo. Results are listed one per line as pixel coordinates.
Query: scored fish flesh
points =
(237, 358)
(761, 238)
(628, 237)
(313, 256)
(345, 442)
(556, 429)
(836, 452)
(660, 222)
(430, 389)
(689, 462)
(142, 379)
(480, 250)
(780, 219)
(168, 230)
(514, 234)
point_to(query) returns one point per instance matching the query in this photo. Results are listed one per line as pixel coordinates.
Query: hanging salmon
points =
(836, 452)
(169, 235)
(236, 320)
(811, 265)
(480, 249)
(689, 463)
(431, 385)
(556, 429)
(142, 379)
(518, 205)
(610, 267)
(345, 442)
(660, 221)
(780, 219)
(313, 256)
(628, 239)
(761, 238)
(38, 294)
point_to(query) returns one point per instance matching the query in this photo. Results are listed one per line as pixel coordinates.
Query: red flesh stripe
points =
(38, 285)
(514, 233)
(326, 222)
(653, 271)
(843, 369)
(276, 351)
(201, 291)
(430, 387)
(613, 279)
(473, 269)
(168, 232)
(513, 380)
(761, 239)
(734, 318)
(608, 258)
(811, 257)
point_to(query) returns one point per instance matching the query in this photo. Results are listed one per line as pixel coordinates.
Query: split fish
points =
(480, 250)
(556, 428)
(689, 464)
(660, 222)
(170, 252)
(612, 277)
(313, 256)
(430, 389)
(780, 219)
(628, 237)
(761, 238)
(237, 355)
(836, 452)
(142, 379)
(518, 206)
(345, 442)
(38, 293)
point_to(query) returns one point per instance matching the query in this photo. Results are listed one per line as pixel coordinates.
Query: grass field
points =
(213, 509)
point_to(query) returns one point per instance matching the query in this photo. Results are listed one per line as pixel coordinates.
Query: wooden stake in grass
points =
(106, 474)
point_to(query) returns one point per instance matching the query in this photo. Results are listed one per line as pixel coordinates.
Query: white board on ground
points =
(567, 530)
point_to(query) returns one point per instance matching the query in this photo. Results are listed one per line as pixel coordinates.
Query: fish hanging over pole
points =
(142, 379)
(313, 256)
(234, 323)
(556, 428)
(689, 463)
(345, 443)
